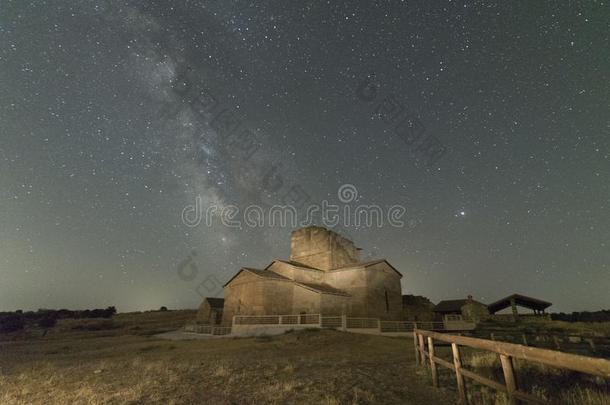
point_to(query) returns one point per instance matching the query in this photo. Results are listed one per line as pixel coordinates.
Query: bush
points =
(91, 325)
(163, 309)
(47, 322)
(108, 312)
(11, 323)
(586, 316)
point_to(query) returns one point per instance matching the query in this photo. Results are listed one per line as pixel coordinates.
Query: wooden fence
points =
(507, 352)
(567, 341)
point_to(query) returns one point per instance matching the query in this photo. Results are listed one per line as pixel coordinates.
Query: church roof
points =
(316, 287)
(348, 267)
(260, 273)
(322, 288)
(367, 264)
(293, 263)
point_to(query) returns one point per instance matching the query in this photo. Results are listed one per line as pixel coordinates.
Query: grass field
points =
(119, 361)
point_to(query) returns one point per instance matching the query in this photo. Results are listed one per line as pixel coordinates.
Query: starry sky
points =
(103, 145)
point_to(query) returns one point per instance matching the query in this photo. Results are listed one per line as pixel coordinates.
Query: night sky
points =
(102, 144)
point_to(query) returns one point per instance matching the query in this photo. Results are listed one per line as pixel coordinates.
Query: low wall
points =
(258, 325)
(260, 330)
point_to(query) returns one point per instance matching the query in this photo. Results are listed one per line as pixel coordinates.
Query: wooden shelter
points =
(515, 300)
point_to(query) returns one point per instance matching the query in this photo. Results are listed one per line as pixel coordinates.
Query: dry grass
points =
(549, 383)
(122, 363)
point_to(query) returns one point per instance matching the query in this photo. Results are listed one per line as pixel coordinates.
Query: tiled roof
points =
(450, 306)
(322, 288)
(260, 273)
(367, 264)
(265, 273)
(293, 263)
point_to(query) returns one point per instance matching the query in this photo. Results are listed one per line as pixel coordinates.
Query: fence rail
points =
(331, 321)
(507, 352)
(257, 320)
(221, 330)
(362, 323)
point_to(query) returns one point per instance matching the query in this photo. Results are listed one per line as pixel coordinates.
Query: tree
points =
(11, 323)
(108, 312)
(163, 308)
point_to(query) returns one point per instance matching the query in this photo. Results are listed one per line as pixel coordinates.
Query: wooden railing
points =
(301, 319)
(507, 352)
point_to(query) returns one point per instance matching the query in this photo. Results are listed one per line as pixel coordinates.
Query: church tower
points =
(321, 248)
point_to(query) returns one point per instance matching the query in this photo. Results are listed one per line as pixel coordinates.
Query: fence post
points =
(524, 339)
(509, 378)
(457, 364)
(415, 345)
(556, 340)
(343, 322)
(422, 358)
(432, 363)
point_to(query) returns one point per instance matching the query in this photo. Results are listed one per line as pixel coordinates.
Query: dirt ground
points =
(120, 361)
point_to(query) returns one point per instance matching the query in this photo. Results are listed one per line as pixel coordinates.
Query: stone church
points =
(322, 276)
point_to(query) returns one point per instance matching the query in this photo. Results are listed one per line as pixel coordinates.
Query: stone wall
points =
(305, 301)
(384, 298)
(331, 304)
(368, 287)
(352, 281)
(475, 311)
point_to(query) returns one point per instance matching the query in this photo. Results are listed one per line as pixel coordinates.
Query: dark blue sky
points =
(102, 144)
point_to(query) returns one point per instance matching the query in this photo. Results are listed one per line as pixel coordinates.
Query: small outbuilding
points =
(210, 311)
(461, 314)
